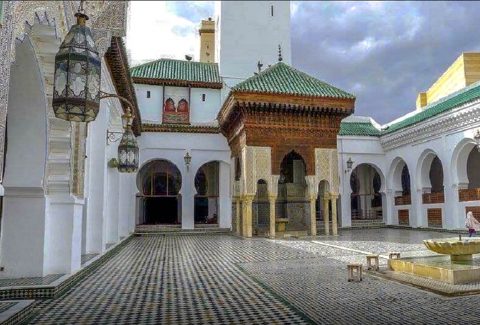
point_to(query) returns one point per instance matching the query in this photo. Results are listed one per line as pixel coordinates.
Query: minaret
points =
(248, 32)
(207, 41)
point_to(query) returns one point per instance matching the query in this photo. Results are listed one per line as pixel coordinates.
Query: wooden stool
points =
(354, 272)
(373, 266)
(394, 256)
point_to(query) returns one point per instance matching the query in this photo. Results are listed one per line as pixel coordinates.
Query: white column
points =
(346, 200)
(95, 239)
(23, 233)
(188, 200)
(225, 200)
(388, 207)
(417, 217)
(63, 236)
(112, 198)
(124, 204)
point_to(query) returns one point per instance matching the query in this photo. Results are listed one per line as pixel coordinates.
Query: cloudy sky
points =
(383, 52)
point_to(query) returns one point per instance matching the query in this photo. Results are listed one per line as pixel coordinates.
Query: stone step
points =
(177, 229)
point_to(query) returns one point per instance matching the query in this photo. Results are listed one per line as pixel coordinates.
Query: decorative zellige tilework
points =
(177, 280)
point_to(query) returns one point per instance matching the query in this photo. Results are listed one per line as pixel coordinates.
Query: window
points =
(203, 97)
(148, 93)
(271, 10)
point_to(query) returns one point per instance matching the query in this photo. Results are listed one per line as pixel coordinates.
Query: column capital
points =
(272, 197)
(334, 195)
(248, 197)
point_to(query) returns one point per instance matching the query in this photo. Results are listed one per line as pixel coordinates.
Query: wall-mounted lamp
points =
(349, 165)
(477, 139)
(113, 136)
(188, 160)
(113, 163)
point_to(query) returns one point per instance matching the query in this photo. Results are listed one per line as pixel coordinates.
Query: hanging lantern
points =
(76, 91)
(128, 147)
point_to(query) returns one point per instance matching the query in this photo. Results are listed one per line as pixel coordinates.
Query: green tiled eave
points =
(284, 79)
(168, 69)
(459, 98)
(358, 129)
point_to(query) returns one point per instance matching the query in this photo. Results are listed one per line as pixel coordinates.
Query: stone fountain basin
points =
(457, 249)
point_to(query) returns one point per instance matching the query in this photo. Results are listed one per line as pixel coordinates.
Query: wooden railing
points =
(430, 198)
(469, 194)
(403, 200)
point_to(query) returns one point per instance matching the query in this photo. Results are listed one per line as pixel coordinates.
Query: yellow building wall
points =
(207, 41)
(464, 71)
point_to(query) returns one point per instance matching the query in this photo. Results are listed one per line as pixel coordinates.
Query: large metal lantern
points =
(76, 91)
(128, 148)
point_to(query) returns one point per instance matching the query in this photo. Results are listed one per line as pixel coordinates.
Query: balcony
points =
(403, 200)
(469, 194)
(432, 198)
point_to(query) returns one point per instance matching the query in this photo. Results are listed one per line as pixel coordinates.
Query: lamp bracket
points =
(113, 136)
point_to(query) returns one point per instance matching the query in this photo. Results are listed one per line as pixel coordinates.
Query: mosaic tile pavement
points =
(176, 280)
(30, 281)
(221, 279)
(4, 305)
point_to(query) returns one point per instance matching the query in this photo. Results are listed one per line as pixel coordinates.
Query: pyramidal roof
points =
(178, 70)
(286, 80)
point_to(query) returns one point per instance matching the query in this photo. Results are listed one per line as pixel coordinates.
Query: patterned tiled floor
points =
(176, 280)
(4, 305)
(220, 279)
(30, 281)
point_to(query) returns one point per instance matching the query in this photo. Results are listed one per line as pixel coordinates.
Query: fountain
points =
(458, 249)
(455, 265)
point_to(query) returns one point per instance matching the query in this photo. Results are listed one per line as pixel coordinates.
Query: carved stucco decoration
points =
(312, 187)
(326, 168)
(256, 166)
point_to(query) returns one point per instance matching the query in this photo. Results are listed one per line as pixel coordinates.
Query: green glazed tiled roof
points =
(283, 79)
(456, 99)
(446, 104)
(359, 128)
(168, 69)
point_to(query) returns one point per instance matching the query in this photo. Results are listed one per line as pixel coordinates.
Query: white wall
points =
(247, 33)
(415, 154)
(203, 148)
(150, 108)
(204, 112)
(201, 112)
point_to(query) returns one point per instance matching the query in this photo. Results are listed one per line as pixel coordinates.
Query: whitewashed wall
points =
(203, 148)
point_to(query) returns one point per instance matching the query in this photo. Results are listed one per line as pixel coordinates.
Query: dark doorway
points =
(161, 210)
(206, 198)
(160, 182)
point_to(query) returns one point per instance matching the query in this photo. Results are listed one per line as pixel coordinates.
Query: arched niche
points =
(366, 182)
(207, 187)
(159, 183)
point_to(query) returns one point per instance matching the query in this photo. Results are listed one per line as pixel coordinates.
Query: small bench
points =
(355, 271)
(394, 256)
(375, 265)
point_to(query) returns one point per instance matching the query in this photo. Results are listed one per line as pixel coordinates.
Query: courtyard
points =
(223, 279)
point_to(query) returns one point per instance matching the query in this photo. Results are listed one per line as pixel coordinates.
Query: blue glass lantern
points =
(76, 91)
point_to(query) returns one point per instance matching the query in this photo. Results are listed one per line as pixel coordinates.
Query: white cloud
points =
(155, 31)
